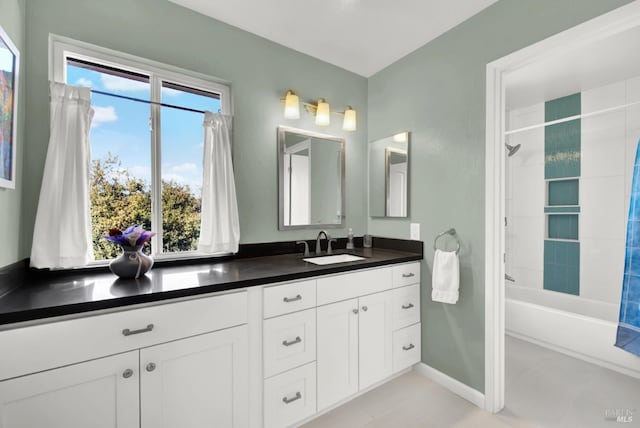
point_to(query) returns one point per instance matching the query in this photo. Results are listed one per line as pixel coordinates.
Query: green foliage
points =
(120, 200)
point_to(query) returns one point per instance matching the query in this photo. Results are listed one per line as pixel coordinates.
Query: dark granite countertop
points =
(40, 296)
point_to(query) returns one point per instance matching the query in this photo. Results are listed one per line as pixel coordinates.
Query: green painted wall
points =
(438, 93)
(12, 250)
(260, 72)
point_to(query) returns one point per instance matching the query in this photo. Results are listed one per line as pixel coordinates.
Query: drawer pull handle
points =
(291, 400)
(128, 332)
(409, 306)
(298, 339)
(292, 299)
(408, 275)
(408, 348)
(127, 373)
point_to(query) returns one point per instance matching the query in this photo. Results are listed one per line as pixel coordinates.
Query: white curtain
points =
(219, 226)
(62, 232)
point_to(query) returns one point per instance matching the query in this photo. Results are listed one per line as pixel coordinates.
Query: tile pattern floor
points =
(543, 389)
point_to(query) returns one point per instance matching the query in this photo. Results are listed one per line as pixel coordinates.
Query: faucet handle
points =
(306, 247)
(329, 241)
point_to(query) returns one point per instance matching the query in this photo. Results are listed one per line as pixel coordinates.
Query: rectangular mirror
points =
(310, 180)
(389, 176)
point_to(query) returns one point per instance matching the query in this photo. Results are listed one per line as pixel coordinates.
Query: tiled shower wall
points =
(607, 151)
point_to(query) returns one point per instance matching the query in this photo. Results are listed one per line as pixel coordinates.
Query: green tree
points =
(120, 200)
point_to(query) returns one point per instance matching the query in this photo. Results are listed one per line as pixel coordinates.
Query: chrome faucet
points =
(318, 247)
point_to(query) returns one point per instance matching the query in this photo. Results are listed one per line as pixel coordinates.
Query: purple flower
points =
(132, 236)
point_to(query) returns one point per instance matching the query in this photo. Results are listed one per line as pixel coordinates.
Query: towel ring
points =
(451, 232)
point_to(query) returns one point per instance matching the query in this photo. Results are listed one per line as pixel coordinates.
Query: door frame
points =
(621, 19)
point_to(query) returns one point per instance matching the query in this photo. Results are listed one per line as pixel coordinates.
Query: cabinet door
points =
(102, 393)
(337, 352)
(198, 382)
(376, 338)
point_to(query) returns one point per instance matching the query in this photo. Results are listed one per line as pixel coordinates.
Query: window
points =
(146, 143)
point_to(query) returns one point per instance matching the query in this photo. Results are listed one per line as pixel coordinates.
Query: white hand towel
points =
(446, 277)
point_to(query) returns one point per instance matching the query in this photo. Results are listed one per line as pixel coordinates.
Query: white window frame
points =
(61, 48)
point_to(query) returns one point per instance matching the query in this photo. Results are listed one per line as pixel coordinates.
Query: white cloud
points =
(115, 83)
(180, 168)
(84, 82)
(103, 115)
(139, 171)
(171, 92)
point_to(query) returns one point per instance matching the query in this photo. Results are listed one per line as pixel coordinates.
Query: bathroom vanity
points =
(266, 341)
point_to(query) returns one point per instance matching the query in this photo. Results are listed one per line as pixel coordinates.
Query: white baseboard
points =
(453, 385)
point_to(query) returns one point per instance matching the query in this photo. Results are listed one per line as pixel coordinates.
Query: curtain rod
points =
(95, 91)
(570, 118)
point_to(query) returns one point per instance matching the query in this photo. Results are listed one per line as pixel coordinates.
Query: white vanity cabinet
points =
(198, 382)
(354, 335)
(162, 380)
(101, 393)
(407, 330)
(289, 353)
(362, 340)
(267, 357)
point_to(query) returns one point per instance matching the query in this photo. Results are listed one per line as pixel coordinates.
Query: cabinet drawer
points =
(289, 341)
(57, 344)
(342, 287)
(287, 298)
(406, 347)
(290, 397)
(406, 274)
(406, 306)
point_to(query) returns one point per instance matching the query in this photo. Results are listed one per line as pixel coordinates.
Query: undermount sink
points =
(338, 258)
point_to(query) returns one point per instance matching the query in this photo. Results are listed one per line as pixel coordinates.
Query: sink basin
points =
(338, 258)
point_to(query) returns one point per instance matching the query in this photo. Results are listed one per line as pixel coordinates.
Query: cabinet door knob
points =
(355, 311)
(151, 367)
(364, 308)
(409, 306)
(292, 299)
(127, 373)
(298, 339)
(287, 400)
(408, 348)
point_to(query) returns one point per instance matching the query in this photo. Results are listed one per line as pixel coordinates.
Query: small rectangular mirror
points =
(389, 176)
(310, 180)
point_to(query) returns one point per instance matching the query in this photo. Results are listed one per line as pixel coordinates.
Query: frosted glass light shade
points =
(323, 113)
(291, 106)
(349, 123)
(401, 137)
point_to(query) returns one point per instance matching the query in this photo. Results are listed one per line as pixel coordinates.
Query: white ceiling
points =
(362, 36)
(593, 65)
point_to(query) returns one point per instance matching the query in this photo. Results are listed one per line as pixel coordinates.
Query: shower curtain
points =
(628, 337)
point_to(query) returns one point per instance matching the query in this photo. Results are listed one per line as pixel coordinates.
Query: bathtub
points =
(579, 327)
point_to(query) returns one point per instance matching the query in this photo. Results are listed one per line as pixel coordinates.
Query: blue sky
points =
(122, 127)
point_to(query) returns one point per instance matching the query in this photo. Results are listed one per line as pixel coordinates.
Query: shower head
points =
(512, 149)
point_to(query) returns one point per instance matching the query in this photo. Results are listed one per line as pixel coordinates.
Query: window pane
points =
(120, 152)
(182, 157)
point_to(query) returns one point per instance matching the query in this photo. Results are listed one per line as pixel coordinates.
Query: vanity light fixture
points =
(401, 137)
(291, 106)
(349, 122)
(321, 111)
